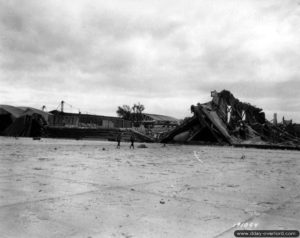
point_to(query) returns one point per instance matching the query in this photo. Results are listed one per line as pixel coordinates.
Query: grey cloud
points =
(155, 53)
(97, 44)
(121, 27)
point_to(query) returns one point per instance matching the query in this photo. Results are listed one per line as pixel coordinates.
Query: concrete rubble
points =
(226, 120)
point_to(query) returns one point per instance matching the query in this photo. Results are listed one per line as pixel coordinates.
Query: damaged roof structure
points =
(22, 121)
(226, 120)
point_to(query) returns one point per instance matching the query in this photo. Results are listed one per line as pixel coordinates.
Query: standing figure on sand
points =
(119, 137)
(132, 139)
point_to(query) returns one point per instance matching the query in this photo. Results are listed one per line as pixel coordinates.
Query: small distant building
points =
(87, 120)
(155, 125)
(152, 120)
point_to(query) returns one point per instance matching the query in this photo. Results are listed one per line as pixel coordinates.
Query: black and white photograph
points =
(149, 118)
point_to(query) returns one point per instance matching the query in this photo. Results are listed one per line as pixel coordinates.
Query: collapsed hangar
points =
(226, 120)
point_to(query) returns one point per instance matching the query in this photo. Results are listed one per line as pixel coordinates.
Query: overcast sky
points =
(165, 54)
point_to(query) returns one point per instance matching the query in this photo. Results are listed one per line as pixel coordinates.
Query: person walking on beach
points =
(119, 137)
(132, 139)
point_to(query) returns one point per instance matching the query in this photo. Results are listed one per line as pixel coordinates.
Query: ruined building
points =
(226, 120)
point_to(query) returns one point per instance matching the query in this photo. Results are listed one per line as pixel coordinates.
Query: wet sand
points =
(68, 188)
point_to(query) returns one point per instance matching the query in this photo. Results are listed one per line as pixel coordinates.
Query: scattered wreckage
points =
(226, 120)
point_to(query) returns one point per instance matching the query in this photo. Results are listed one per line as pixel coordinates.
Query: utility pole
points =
(62, 106)
(275, 119)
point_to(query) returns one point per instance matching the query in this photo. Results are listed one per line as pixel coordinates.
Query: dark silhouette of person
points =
(132, 139)
(119, 137)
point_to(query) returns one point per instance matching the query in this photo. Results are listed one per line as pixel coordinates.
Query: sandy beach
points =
(68, 188)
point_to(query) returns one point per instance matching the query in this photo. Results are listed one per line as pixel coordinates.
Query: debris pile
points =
(226, 120)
